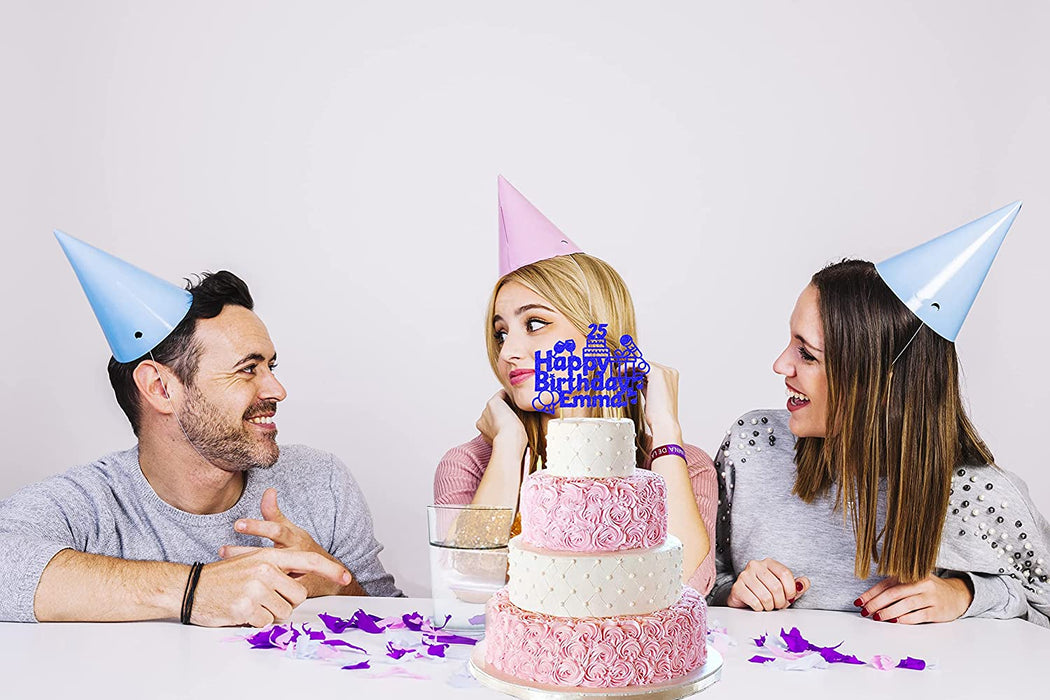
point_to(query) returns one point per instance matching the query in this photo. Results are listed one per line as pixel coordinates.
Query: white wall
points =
(342, 158)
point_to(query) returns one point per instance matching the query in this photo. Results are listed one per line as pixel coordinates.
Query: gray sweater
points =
(993, 535)
(107, 507)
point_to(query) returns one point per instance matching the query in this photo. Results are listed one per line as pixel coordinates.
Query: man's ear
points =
(156, 384)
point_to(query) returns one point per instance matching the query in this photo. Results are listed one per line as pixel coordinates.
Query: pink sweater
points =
(459, 472)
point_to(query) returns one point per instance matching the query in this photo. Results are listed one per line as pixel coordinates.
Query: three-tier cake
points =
(595, 597)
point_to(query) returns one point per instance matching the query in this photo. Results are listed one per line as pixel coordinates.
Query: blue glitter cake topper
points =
(596, 377)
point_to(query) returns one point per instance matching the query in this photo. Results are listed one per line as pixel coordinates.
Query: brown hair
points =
(585, 290)
(899, 423)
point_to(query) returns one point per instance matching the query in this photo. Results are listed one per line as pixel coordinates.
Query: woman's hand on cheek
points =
(498, 421)
(933, 599)
(766, 585)
(661, 401)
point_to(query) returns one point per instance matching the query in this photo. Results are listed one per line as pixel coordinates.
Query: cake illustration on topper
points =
(135, 309)
(939, 279)
(525, 234)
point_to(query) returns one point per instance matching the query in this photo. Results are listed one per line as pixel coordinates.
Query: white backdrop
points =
(342, 158)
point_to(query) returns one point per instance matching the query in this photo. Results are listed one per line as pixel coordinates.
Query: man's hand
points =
(257, 588)
(287, 535)
(932, 599)
(766, 585)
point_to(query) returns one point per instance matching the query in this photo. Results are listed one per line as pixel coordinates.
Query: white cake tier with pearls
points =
(604, 584)
(590, 447)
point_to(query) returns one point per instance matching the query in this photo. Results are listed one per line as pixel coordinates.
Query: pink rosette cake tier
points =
(597, 652)
(594, 515)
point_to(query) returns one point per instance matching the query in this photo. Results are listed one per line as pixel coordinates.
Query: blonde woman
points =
(534, 305)
(873, 491)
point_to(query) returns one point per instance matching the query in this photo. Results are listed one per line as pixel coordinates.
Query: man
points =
(112, 540)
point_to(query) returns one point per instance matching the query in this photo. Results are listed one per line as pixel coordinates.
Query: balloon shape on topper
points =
(135, 309)
(939, 279)
(526, 235)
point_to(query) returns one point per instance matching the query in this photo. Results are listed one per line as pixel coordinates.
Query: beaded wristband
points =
(663, 450)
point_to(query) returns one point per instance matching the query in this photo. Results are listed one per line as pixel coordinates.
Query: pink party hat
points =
(525, 235)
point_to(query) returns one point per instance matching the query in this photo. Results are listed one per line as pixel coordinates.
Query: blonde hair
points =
(585, 290)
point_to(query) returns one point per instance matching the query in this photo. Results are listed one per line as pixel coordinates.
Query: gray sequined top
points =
(993, 535)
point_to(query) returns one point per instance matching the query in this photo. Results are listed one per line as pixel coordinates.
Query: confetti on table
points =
(409, 637)
(793, 652)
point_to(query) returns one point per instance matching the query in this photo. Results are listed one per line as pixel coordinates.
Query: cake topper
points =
(597, 377)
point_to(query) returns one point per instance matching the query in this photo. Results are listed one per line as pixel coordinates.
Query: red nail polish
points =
(858, 602)
(790, 601)
(893, 620)
(876, 617)
(863, 612)
(798, 586)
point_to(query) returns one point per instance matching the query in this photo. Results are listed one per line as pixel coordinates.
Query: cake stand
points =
(698, 680)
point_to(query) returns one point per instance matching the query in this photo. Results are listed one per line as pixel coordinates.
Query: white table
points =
(974, 658)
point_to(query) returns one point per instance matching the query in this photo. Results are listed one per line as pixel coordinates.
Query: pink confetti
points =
(883, 663)
(399, 672)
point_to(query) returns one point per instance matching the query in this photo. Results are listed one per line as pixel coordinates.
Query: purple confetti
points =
(366, 623)
(314, 635)
(443, 624)
(284, 637)
(413, 621)
(356, 667)
(451, 639)
(338, 625)
(476, 620)
(912, 664)
(341, 643)
(394, 652)
(795, 641)
(760, 659)
(835, 657)
(760, 641)
(436, 649)
(260, 640)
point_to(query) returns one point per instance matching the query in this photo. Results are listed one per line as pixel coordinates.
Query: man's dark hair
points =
(180, 352)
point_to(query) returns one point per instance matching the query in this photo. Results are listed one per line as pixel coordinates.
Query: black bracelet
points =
(191, 589)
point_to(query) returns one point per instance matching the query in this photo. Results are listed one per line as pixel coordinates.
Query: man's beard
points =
(229, 446)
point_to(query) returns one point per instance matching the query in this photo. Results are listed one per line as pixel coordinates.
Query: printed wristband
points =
(664, 450)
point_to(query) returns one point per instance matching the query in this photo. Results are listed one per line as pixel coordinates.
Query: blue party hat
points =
(939, 279)
(135, 309)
